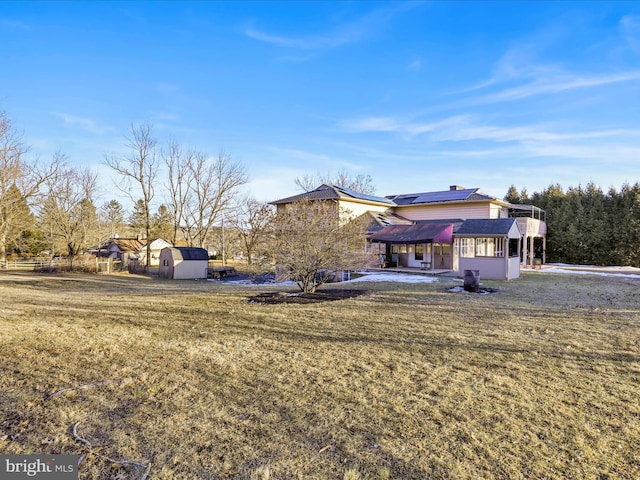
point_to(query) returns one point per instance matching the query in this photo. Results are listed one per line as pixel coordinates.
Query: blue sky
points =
(419, 95)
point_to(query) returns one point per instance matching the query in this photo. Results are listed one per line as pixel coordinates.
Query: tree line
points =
(587, 226)
(49, 207)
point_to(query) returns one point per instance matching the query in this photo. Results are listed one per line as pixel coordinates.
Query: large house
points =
(452, 230)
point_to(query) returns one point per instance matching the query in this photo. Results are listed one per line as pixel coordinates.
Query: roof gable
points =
(125, 244)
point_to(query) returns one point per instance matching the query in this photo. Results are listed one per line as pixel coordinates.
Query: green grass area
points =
(190, 380)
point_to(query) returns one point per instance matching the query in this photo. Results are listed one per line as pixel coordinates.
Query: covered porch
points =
(417, 247)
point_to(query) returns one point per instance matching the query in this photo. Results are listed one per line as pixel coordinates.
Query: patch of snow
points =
(392, 277)
(589, 272)
(251, 283)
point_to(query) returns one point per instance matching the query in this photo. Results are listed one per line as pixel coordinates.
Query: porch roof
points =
(494, 227)
(418, 233)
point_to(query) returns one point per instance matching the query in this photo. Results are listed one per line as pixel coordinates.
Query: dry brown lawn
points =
(172, 380)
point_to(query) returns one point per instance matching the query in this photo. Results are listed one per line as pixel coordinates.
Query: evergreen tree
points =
(512, 195)
(162, 224)
(138, 218)
(112, 216)
(598, 238)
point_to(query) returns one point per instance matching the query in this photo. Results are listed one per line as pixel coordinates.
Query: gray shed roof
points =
(189, 253)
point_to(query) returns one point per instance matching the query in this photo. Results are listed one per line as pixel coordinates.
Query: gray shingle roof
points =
(379, 220)
(190, 253)
(486, 227)
(418, 233)
(332, 192)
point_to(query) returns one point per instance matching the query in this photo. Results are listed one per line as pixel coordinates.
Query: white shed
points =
(182, 263)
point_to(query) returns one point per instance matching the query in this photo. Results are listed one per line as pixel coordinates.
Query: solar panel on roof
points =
(361, 196)
(445, 196)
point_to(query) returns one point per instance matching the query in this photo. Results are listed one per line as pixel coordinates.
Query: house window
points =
(403, 249)
(420, 251)
(394, 248)
(466, 247)
(489, 247)
(481, 247)
(165, 262)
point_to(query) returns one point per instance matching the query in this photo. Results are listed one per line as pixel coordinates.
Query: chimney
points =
(456, 187)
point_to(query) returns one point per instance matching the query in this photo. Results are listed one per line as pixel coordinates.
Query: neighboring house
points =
(452, 230)
(124, 249)
(133, 250)
(182, 263)
(156, 247)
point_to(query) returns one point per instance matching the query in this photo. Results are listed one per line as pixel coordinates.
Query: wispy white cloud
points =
(343, 34)
(630, 26)
(518, 63)
(527, 70)
(315, 159)
(415, 65)
(389, 124)
(557, 85)
(463, 128)
(16, 25)
(84, 123)
(309, 42)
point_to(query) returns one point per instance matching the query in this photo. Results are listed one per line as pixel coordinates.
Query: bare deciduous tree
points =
(359, 183)
(69, 209)
(174, 158)
(253, 222)
(314, 241)
(201, 189)
(140, 168)
(20, 180)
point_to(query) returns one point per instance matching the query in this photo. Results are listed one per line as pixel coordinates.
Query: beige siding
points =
(494, 211)
(492, 268)
(190, 269)
(444, 212)
(356, 208)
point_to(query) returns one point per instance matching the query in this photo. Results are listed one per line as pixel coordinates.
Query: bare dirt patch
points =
(275, 298)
